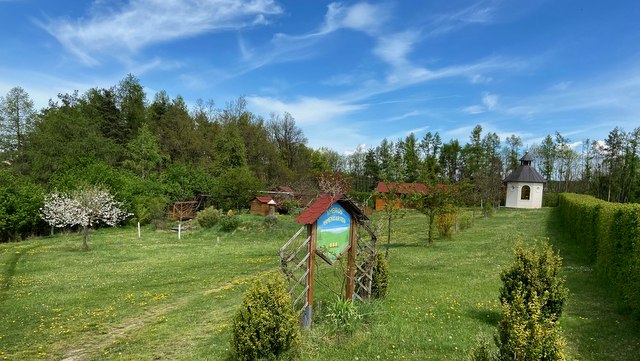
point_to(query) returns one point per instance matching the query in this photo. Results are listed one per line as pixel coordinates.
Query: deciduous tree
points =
(85, 207)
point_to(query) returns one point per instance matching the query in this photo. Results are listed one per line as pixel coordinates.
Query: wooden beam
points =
(351, 263)
(308, 312)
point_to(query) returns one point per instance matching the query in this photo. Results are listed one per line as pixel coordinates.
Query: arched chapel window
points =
(525, 193)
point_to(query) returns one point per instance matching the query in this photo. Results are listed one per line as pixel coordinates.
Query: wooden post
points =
(351, 263)
(308, 312)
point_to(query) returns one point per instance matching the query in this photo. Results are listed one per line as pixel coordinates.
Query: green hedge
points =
(610, 232)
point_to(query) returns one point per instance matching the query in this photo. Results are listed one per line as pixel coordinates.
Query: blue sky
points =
(350, 73)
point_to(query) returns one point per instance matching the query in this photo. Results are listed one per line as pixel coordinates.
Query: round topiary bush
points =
(208, 217)
(380, 277)
(266, 325)
(229, 222)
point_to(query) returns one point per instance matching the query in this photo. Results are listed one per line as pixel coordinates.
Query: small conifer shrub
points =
(380, 276)
(536, 271)
(266, 325)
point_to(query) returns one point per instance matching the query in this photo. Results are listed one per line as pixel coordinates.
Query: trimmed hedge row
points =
(610, 233)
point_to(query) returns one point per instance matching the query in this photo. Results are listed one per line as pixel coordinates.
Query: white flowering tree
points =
(85, 207)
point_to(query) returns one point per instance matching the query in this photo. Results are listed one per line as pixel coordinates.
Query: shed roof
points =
(315, 210)
(264, 200)
(401, 188)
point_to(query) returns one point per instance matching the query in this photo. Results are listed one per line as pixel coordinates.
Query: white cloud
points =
(394, 48)
(474, 109)
(480, 79)
(364, 17)
(141, 23)
(306, 110)
(490, 101)
(478, 13)
(564, 85)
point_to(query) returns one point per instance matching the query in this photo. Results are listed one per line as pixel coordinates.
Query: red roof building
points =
(260, 206)
(400, 190)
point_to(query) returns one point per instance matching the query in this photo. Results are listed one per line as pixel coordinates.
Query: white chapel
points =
(524, 185)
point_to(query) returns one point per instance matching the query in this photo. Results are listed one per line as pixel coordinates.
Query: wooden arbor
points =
(334, 227)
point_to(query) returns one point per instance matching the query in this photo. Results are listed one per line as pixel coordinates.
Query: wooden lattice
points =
(293, 264)
(365, 261)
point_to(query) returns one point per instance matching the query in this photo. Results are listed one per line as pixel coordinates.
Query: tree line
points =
(152, 152)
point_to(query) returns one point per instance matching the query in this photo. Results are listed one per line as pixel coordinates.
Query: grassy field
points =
(160, 298)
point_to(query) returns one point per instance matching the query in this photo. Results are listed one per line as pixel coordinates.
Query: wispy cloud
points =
(364, 17)
(361, 17)
(479, 13)
(305, 110)
(141, 23)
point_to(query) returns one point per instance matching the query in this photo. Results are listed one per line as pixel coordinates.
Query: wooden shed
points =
(181, 211)
(400, 190)
(260, 205)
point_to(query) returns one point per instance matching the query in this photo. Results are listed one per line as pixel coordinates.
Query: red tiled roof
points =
(315, 210)
(264, 199)
(402, 188)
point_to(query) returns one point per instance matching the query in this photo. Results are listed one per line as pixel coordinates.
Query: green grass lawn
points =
(160, 298)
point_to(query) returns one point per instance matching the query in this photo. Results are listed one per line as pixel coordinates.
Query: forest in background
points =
(152, 152)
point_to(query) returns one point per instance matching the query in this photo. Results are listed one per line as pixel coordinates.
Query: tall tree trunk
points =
(85, 235)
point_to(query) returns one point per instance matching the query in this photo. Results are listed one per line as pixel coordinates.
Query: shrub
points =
(482, 352)
(266, 325)
(270, 221)
(465, 220)
(229, 223)
(380, 277)
(288, 206)
(525, 334)
(344, 316)
(149, 209)
(20, 201)
(446, 220)
(208, 217)
(536, 273)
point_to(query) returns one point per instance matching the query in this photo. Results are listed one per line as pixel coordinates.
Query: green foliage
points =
(209, 217)
(610, 234)
(235, 188)
(20, 201)
(465, 220)
(550, 199)
(344, 316)
(432, 201)
(288, 206)
(525, 333)
(265, 326)
(535, 274)
(446, 220)
(229, 222)
(482, 352)
(149, 209)
(184, 182)
(362, 198)
(380, 281)
(270, 221)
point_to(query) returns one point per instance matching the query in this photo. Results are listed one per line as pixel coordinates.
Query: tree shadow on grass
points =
(489, 317)
(401, 245)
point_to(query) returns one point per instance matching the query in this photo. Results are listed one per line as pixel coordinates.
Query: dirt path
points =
(93, 345)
